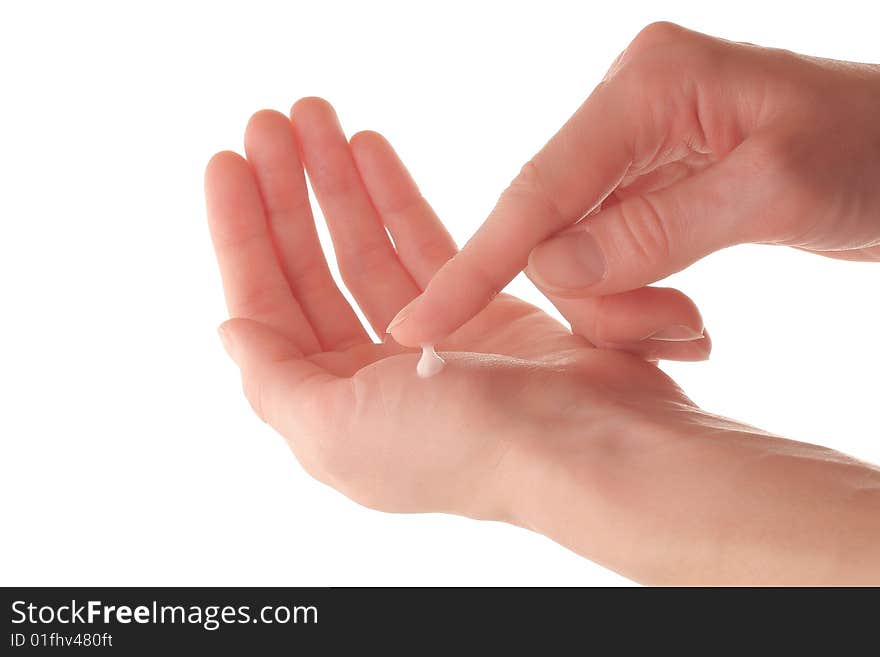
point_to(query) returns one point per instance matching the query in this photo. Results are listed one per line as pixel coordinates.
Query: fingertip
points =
(654, 323)
(648, 314)
(686, 351)
(227, 328)
(222, 161)
(396, 328)
(693, 351)
(262, 122)
(367, 148)
(221, 172)
(673, 306)
(224, 174)
(403, 337)
(707, 342)
(422, 323)
(407, 328)
(369, 139)
(382, 171)
(266, 116)
(310, 108)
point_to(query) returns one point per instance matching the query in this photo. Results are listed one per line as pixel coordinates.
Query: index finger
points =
(563, 182)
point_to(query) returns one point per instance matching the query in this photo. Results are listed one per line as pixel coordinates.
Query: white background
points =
(129, 455)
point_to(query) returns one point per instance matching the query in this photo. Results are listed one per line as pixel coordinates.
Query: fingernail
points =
(677, 333)
(572, 260)
(405, 312)
(226, 340)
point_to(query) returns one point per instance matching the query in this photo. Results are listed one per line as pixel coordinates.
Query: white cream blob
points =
(430, 363)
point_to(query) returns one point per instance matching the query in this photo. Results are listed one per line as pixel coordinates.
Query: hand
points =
(690, 144)
(527, 423)
(354, 411)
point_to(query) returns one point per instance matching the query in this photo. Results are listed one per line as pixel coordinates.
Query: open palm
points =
(353, 411)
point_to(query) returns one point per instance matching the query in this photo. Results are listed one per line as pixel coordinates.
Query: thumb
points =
(275, 376)
(644, 238)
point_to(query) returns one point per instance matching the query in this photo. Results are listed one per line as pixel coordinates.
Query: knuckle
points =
(432, 250)
(331, 184)
(528, 185)
(309, 273)
(658, 33)
(665, 51)
(285, 210)
(260, 302)
(484, 278)
(644, 231)
(359, 267)
(404, 205)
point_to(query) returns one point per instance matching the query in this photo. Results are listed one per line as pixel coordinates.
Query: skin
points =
(690, 144)
(528, 423)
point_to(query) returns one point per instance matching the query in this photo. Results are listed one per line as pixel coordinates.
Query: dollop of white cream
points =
(430, 363)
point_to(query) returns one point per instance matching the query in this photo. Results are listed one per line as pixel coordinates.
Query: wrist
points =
(700, 500)
(561, 484)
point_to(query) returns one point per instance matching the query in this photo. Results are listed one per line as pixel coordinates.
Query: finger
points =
(272, 152)
(253, 282)
(422, 241)
(279, 383)
(660, 33)
(646, 109)
(650, 321)
(367, 261)
(577, 168)
(644, 238)
(696, 350)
